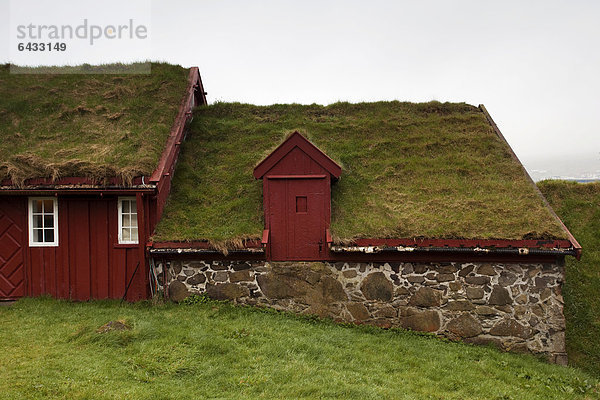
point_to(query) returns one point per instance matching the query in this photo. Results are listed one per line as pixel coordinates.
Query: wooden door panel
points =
(297, 210)
(12, 269)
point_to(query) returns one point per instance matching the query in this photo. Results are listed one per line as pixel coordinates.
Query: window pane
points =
(134, 235)
(133, 220)
(133, 206)
(48, 206)
(125, 236)
(37, 221)
(38, 235)
(125, 206)
(37, 206)
(126, 222)
(48, 235)
(48, 221)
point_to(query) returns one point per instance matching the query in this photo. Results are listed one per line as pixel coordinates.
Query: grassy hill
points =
(53, 349)
(578, 205)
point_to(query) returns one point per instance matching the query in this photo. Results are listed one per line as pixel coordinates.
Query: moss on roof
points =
(408, 170)
(92, 125)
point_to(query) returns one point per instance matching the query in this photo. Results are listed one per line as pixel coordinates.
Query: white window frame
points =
(120, 217)
(33, 243)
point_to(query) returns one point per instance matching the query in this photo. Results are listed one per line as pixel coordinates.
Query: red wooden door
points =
(297, 212)
(12, 270)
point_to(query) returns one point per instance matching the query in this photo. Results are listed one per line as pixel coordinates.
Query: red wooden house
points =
(426, 220)
(76, 237)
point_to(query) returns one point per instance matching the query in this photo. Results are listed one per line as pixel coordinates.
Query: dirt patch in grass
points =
(433, 170)
(90, 125)
(118, 325)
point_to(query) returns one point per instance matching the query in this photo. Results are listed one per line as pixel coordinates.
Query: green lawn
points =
(579, 207)
(51, 349)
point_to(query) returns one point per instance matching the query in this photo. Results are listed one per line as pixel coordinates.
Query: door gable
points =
(290, 148)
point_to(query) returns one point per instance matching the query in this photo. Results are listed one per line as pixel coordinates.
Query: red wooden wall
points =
(88, 263)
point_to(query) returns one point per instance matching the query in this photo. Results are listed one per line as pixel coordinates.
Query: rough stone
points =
(178, 291)
(424, 321)
(226, 291)
(544, 281)
(420, 268)
(176, 267)
(377, 287)
(241, 266)
(464, 326)
(386, 312)
(196, 279)
(474, 293)
(332, 289)
(220, 276)
(444, 277)
(358, 311)
(219, 267)
(426, 297)
(460, 305)
(401, 291)
(416, 279)
(408, 269)
(509, 327)
(455, 286)
(349, 273)
(477, 280)
(382, 323)
(240, 276)
(447, 269)
(485, 310)
(466, 270)
(504, 308)
(486, 269)
(499, 296)
(546, 293)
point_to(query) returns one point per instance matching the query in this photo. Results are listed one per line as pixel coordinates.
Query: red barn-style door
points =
(12, 269)
(297, 180)
(297, 213)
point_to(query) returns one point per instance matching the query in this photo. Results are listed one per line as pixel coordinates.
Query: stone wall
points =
(517, 307)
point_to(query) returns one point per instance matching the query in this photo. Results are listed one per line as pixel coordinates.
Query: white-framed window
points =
(43, 221)
(128, 226)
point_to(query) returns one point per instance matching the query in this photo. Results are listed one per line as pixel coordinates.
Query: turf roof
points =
(434, 170)
(90, 125)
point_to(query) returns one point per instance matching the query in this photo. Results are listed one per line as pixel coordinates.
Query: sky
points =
(535, 65)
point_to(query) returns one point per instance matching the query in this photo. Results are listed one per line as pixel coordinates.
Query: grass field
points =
(434, 170)
(51, 349)
(578, 205)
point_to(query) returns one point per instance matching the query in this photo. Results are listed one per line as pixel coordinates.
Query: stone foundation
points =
(517, 307)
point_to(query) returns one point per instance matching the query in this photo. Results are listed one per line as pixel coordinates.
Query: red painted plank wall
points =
(88, 263)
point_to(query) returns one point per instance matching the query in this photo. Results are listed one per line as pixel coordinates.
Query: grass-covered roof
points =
(91, 125)
(408, 170)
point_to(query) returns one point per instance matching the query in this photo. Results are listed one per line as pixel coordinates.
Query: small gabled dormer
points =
(297, 179)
